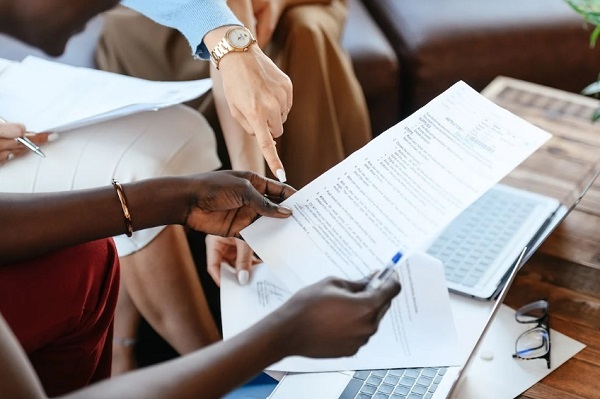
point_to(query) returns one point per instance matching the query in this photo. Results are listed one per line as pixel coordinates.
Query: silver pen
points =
(28, 143)
(31, 145)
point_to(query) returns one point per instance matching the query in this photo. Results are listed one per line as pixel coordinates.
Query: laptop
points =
(430, 382)
(427, 383)
(479, 247)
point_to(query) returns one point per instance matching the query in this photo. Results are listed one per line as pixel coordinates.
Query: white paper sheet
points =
(49, 96)
(501, 374)
(397, 192)
(4, 63)
(418, 330)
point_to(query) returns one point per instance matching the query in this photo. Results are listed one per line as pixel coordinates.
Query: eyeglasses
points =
(535, 342)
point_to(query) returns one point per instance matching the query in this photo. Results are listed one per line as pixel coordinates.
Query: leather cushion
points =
(442, 41)
(375, 64)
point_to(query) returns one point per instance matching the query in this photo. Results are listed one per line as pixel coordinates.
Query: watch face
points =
(239, 37)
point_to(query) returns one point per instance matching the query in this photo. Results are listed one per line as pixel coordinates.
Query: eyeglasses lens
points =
(535, 342)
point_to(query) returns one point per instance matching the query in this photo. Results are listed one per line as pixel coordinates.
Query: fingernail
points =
(243, 276)
(284, 210)
(281, 175)
(52, 136)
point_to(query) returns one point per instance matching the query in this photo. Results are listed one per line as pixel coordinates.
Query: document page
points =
(397, 192)
(4, 63)
(417, 331)
(50, 96)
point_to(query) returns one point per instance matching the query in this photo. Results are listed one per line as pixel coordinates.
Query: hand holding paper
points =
(331, 318)
(418, 317)
(397, 192)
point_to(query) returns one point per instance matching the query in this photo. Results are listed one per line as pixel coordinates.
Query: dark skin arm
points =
(302, 326)
(220, 203)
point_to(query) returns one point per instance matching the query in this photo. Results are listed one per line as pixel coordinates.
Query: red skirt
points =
(61, 309)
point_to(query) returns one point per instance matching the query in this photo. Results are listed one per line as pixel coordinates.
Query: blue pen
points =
(384, 273)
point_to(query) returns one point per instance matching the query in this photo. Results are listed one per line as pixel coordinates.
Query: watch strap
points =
(223, 47)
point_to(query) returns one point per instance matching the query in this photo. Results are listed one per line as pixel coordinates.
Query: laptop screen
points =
(525, 254)
(463, 370)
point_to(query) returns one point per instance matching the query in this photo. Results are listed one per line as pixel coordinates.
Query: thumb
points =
(213, 259)
(265, 207)
(243, 262)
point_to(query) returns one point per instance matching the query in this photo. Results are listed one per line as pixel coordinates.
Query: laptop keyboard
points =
(469, 246)
(412, 383)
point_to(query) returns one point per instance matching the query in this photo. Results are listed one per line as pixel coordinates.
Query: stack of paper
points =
(49, 96)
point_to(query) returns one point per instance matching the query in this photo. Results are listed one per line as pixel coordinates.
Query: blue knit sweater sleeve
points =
(193, 18)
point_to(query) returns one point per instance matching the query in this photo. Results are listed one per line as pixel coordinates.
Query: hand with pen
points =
(15, 142)
(334, 317)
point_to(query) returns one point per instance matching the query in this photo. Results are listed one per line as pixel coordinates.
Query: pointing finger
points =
(269, 151)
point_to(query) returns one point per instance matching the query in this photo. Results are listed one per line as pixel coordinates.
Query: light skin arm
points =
(220, 203)
(244, 154)
(305, 325)
(257, 93)
(261, 17)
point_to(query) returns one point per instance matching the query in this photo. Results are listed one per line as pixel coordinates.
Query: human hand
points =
(9, 147)
(259, 96)
(334, 317)
(232, 251)
(225, 202)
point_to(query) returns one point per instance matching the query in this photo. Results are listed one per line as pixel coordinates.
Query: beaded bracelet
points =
(123, 201)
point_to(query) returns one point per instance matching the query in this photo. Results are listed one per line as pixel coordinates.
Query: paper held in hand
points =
(50, 96)
(417, 330)
(395, 194)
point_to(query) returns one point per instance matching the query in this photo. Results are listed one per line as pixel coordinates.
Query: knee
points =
(311, 23)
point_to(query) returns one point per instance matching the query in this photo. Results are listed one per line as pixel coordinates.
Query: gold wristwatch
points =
(237, 39)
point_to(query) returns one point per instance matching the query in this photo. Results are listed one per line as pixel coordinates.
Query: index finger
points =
(269, 151)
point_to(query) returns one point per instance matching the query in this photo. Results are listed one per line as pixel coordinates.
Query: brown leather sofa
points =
(438, 42)
(375, 64)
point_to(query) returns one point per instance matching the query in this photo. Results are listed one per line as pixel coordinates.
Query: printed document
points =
(397, 192)
(417, 331)
(49, 96)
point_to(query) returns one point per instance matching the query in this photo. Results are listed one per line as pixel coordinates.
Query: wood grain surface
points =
(565, 269)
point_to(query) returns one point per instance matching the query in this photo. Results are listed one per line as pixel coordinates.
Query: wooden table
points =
(565, 270)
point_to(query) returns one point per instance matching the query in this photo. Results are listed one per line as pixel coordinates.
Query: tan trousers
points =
(329, 118)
